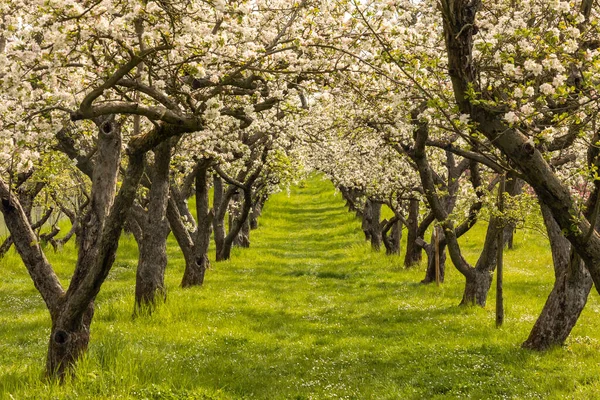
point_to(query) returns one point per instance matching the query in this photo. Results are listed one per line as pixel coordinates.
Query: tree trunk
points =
(375, 226)
(237, 225)
(8, 242)
(256, 212)
(152, 261)
(430, 274)
(243, 237)
(68, 342)
(196, 269)
(568, 296)
(391, 240)
(460, 17)
(514, 187)
(477, 286)
(219, 221)
(179, 229)
(234, 218)
(414, 253)
(101, 229)
(5, 247)
(367, 218)
(479, 279)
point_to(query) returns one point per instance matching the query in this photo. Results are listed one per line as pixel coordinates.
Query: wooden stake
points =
(499, 255)
(437, 254)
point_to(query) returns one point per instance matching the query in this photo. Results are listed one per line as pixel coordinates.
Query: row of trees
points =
(115, 113)
(461, 97)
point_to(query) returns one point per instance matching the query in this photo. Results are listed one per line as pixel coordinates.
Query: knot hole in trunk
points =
(107, 128)
(61, 337)
(6, 203)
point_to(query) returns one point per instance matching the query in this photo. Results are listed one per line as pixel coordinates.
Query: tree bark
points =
(152, 261)
(414, 253)
(391, 240)
(70, 327)
(477, 286)
(68, 343)
(195, 270)
(568, 296)
(367, 218)
(479, 279)
(71, 312)
(256, 212)
(514, 187)
(242, 239)
(430, 274)
(375, 226)
(178, 227)
(8, 242)
(234, 230)
(219, 220)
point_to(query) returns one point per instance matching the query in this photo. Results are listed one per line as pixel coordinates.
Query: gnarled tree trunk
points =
(391, 240)
(152, 261)
(479, 279)
(367, 218)
(237, 224)
(256, 212)
(195, 270)
(430, 251)
(569, 293)
(220, 207)
(414, 252)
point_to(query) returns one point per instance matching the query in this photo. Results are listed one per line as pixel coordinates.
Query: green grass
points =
(308, 312)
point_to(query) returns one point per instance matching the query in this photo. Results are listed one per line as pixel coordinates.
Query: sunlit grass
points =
(309, 311)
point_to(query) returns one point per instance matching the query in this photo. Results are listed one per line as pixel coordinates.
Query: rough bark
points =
(430, 250)
(256, 212)
(195, 270)
(243, 237)
(70, 322)
(225, 253)
(152, 261)
(569, 293)
(414, 253)
(477, 286)
(351, 196)
(8, 242)
(246, 178)
(367, 219)
(391, 234)
(220, 206)
(182, 235)
(375, 226)
(479, 278)
(70, 328)
(28, 247)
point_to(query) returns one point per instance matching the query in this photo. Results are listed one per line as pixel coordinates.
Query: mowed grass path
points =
(308, 312)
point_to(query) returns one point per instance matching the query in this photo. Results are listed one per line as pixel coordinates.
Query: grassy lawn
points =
(308, 312)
